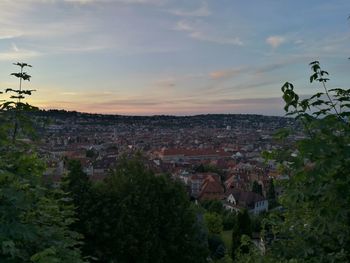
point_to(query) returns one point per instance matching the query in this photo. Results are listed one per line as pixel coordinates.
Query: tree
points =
(242, 227)
(271, 194)
(213, 221)
(34, 219)
(257, 188)
(90, 153)
(314, 225)
(213, 206)
(135, 216)
(78, 187)
(216, 246)
(15, 108)
(228, 220)
(225, 259)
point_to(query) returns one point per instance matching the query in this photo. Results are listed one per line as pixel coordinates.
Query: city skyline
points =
(146, 57)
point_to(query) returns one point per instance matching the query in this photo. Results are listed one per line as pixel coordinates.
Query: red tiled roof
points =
(211, 188)
(194, 152)
(200, 176)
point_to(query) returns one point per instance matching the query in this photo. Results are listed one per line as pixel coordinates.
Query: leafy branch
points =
(15, 107)
(314, 223)
(321, 104)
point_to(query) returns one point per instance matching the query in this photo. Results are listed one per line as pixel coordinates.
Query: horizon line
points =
(160, 115)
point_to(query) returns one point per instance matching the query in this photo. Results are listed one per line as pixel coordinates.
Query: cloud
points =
(166, 83)
(245, 101)
(183, 25)
(252, 70)
(228, 90)
(222, 74)
(74, 49)
(274, 66)
(18, 54)
(15, 48)
(78, 28)
(140, 106)
(9, 33)
(68, 93)
(131, 102)
(195, 32)
(217, 39)
(145, 2)
(80, 1)
(200, 12)
(275, 41)
(64, 34)
(218, 74)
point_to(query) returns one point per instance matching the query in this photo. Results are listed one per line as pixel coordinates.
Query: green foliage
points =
(257, 188)
(213, 206)
(225, 259)
(78, 187)
(206, 168)
(90, 153)
(315, 223)
(228, 220)
(135, 216)
(213, 221)
(255, 255)
(35, 220)
(242, 227)
(13, 111)
(226, 236)
(256, 222)
(216, 246)
(76, 182)
(271, 194)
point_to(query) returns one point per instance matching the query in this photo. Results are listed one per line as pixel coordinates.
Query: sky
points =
(178, 57)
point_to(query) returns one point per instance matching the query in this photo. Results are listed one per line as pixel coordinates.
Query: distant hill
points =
(208, 120)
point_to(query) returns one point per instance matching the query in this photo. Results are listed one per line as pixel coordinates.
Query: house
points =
(211, 189)
(196, 181)
(238, 199)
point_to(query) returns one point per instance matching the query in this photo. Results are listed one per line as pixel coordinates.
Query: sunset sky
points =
(181, 57)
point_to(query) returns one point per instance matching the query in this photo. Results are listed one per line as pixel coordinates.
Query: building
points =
(254, 203)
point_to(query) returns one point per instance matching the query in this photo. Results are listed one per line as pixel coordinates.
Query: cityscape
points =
(174, 131)
(233, 144)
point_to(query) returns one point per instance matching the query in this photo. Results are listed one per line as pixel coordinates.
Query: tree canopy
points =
(35, 219)
(136, 216)
(314, 225)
